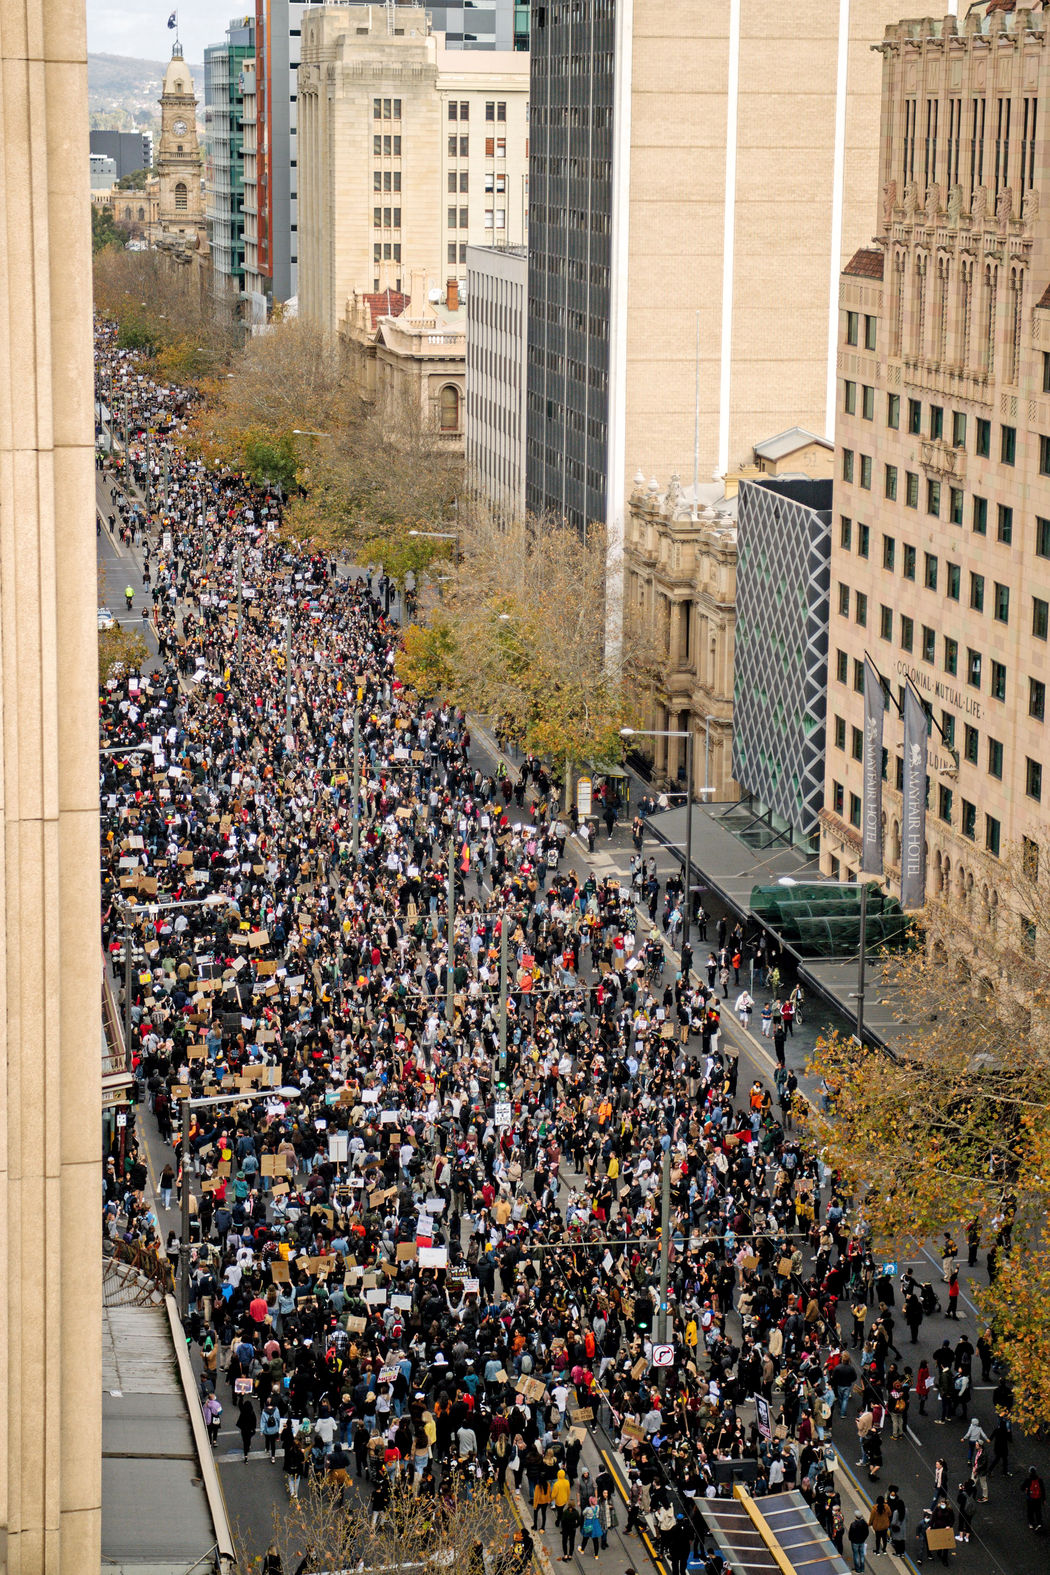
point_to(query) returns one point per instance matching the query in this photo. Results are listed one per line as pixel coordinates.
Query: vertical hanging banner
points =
(913, 809)
(871, 817)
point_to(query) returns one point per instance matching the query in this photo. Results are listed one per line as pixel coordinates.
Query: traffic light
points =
(643, 1314)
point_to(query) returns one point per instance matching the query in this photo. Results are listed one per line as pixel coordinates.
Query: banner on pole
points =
(871, 817)
(913, 811)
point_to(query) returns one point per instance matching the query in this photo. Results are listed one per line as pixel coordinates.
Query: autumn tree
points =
(521, 637)
(160, 308)
(950, 1130)
(120, 651)
(467, 1527)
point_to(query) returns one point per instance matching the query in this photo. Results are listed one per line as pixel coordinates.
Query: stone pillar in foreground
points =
(50, 1062)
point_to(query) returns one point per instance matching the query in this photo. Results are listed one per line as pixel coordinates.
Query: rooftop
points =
(787, 442)
(865, 264)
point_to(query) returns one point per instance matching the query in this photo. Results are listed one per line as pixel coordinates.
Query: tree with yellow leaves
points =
(951, 1130)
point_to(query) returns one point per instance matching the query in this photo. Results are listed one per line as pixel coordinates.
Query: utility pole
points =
(687, 909)
(862, 952)
(503, 926)
(127, 454)
(288, 669)
(356, 817)
(450, 988)
(240, 607)
(665, 1247)
(127, 990)
(149, 468)
(184, 1235)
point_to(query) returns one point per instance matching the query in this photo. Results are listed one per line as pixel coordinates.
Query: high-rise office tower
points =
(224, 156)
(698, 176)
(940, 564)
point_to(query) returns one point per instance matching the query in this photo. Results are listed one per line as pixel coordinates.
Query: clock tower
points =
(178, 160)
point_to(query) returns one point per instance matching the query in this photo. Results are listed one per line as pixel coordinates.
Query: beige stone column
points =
(50, 1063)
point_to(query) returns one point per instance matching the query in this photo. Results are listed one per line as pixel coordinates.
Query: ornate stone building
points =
(407, 356)
(181, 207)
(940, 563)
(680, 565)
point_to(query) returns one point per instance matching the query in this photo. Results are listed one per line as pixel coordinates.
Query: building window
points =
(911, 489)
(1044, 456)
(1001, 612)
(948, 729)
(991, 834)
(1040, 617)
(452, 216)
(1005, 528)
(464, 147)
(843, 601)
(845, 532)
(973, 668)
(490, 110)
(870, 332)
(860, 613)
(977, 592)
(854, 809)
(451, 251)
(915, 417)
(890, 486)
(847, 464)
(840, 732)
(841, 659)
(953, 577)
(1008, 444)
(377, 110)
(933, 497)
(448, 408)
(1033, 779)
(889, 552)
(930, 572)
(863, 541)
(886, 622)
(849, 398)
(501, 109)
(181, 199)
(852, 328)
(944, 804)
(857, 743)
(984, 438)
(908, 569)
(868, 403)
(969, 820)
(971, 743)
(453, 144)
(837, 797)
(1042, 538)
(936, 422)
(958, 429)
(951, 655)
(955, 505)
(865, 472)
(1036, 699)
(979, 516)
(858, 676)
(995, 759)
(907, 632)
(929, 644)
(893, 411)
(998, 684)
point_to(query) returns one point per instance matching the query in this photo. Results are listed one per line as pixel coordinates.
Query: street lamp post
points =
(687, 734)
(355, 820)
(243, 1097)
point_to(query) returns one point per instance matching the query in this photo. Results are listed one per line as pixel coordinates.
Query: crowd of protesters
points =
(431, 1255)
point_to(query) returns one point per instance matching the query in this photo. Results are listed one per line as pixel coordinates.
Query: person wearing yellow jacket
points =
(560, 1492)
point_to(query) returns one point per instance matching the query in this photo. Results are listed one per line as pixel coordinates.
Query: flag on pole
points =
(173, 19)
(913, 805)
(871, 818)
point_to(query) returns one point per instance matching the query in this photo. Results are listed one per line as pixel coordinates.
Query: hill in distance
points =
(122, 85)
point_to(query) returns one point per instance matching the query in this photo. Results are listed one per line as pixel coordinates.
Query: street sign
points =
(583, 797)
(663, 1355)
(890, 1269)
(122, 1118)
(504, 1113)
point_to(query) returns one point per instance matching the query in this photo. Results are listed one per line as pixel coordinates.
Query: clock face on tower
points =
(179, 128)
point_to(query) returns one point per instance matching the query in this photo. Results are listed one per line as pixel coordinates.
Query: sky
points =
(139, 27)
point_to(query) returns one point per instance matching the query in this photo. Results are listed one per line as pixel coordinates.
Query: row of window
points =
(945, 806)
(459, 147)
(388, 147)
(459, 180)
(459, 109)
(971, 752)
(935, 429)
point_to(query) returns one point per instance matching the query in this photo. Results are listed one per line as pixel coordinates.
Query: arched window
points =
(181, 203)
(448, 408)
(127, 215)
(142, 214)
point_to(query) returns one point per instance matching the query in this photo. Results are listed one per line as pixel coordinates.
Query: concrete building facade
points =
(50, 1072)
(407, 356)
(129, 150)
(941, 547)
(278, 31)
(497, 308)
(689, 164)
(780, 671)
(255, 281)
(408, 152)
(224, 155)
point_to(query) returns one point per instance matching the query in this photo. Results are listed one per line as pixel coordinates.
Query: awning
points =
(778, 1534)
